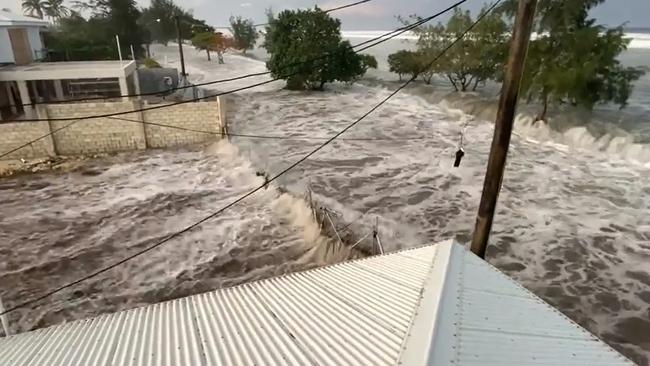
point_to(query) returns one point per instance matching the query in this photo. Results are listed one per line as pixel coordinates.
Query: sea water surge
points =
(571, 225)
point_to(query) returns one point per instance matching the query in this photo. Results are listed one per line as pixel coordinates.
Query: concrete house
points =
(20, 38)
(24, 79)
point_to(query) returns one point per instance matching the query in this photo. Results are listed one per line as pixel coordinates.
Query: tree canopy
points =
(216, 42)
(244, 33)
(574, 60)
(74, 37)
(204, 41)
(298, 36)
(34, 8)
(477, 57)
(160, 20)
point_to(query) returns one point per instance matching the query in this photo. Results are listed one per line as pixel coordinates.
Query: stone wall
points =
(111, 134)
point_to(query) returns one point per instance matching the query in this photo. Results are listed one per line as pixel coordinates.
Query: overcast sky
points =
(377, 14)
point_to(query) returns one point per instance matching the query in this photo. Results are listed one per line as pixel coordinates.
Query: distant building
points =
(20, 38)
(25, 80)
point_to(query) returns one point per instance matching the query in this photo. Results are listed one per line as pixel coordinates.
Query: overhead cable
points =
(250, 193)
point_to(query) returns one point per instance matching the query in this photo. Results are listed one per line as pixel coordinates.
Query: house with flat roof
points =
(25, 80)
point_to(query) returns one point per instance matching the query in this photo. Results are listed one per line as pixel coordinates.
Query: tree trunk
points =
(542, 115)
(463, 83)
(451, 80)
(478, 80)
(208, 51)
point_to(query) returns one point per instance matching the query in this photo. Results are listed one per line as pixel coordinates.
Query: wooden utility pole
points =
(180, 45)
(503, 125)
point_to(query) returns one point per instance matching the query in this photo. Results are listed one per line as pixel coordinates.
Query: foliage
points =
(76, 38)
(295, 37)
(409, 63)
(221, 44)
(150, 63)
(34, 8)
(575, 61)
(217, 42)
(347, 66)
(477, 57)
(121, 17)
(244, 33)
(56, 10)
(160, 20)
(204, 41)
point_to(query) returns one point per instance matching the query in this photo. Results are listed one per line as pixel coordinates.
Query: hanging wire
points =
(250, 193)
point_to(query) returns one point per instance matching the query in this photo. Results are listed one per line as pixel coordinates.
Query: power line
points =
(194, 85)
(325, 11)
(266, 137)
(250, 193)
(383, 38)
(346, 6)
(379, 39)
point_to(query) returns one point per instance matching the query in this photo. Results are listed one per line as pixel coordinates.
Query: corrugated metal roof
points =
(486, 318)
(433, 305)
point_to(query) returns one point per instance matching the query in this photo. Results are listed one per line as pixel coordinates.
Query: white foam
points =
(639, 40)
(579, 137)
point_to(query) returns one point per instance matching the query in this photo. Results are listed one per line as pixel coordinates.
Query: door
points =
(20, 46)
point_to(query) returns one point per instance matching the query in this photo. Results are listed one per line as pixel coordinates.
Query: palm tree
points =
(55, 9)
(34, 7)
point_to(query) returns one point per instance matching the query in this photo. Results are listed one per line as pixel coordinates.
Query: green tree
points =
(244, 33)
(204, 41)
(295, 37)
(407, 63)
(199, 26)
(116, 17)
(477, 57)
(160, 20)
(34, 8)
(574, 60)
(78, 39)
(56, 10)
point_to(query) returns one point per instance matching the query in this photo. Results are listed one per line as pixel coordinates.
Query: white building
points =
(24, 80)
(20, 38)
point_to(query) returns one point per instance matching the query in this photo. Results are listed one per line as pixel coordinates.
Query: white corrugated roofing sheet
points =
(486, 318)
(436, 305)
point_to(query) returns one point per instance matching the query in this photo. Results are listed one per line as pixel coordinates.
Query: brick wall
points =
(192, 116)
(99, 135)
(110, 134)
(17, 134)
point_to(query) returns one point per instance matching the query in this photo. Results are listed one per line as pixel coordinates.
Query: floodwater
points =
(571, 225)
